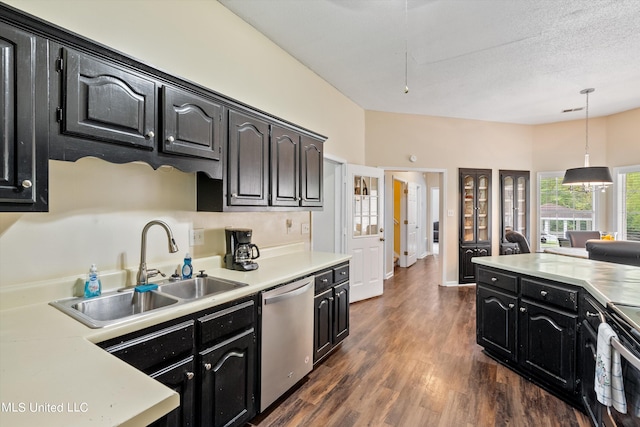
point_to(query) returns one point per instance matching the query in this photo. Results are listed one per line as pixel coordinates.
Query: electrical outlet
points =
(450, 212)
(305, 228)
(196, 237)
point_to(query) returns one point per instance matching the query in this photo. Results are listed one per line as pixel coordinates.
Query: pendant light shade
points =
(587, 176)
(594, 175)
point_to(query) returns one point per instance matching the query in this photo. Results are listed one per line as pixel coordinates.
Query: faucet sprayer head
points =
(173, 247)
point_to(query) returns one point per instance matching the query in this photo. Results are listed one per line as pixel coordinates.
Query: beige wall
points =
(444, 143)
(455, 143)
(97, 209)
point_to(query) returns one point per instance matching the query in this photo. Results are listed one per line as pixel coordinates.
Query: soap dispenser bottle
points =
(187, 268)
(92, 286)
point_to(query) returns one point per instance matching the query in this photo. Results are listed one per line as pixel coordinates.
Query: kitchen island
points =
(53, 374)
(538, 314)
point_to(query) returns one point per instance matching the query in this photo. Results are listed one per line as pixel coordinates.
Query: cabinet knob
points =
(523, 309)
(170, 139)
(234, 195)
(189, 375)
(494, 279)
(343, 273)
(543, 293)
(26, 184)
(324, 280)
(207, 366)
(150, 134)
(511, 305)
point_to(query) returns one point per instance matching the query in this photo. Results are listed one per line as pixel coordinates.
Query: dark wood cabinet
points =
(548, 343)
(23, 139)
(228, 381)
(209, 358)
(514, 208)
(475, 220)
(285, 167)
(531, 325)
(331, 305)
(180, 377)
(104, 102)
(496, 321)
(192, 125)
(247, 161)
(311, 166)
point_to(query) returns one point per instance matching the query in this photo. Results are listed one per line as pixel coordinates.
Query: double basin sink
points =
(121, 306)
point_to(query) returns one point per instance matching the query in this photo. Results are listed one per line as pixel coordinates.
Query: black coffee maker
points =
(240, 251)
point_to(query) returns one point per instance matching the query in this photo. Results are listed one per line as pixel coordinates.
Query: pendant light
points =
(588, 176)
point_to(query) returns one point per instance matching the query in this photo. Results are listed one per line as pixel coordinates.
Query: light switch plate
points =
(196, 237)
(305, 228)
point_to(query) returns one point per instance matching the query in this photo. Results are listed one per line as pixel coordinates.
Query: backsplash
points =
(98, 210)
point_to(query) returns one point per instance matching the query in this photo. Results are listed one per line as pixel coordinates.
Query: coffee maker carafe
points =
(240, 251)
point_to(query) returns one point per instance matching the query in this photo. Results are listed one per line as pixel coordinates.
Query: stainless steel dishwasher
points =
(287, 338)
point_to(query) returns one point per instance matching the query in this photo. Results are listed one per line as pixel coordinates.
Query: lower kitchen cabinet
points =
(531, 326)
(496, 321)
(228, 381)
(331, 305)
(548, 343)
(180, 378)
(209, 358)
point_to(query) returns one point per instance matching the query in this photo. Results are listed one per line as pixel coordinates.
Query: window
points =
(628, 202)
(562, 210)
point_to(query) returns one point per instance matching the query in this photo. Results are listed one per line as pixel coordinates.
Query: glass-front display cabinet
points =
(366, 206)
(475, 219)
(514, 207)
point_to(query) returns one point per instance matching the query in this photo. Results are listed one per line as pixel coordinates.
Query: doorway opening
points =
(414, 237)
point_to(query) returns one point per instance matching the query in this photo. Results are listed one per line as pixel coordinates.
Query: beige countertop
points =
(52, 374)
(605, 281)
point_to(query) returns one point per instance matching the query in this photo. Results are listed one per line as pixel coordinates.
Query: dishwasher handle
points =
(290, 294)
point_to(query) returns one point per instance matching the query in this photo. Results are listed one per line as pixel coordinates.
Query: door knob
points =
(382, 239)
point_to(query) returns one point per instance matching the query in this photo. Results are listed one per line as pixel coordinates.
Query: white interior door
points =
(365, 239)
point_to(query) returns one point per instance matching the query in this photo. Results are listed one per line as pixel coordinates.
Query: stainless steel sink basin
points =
(113, 307)
(120, 306)
(199, 287)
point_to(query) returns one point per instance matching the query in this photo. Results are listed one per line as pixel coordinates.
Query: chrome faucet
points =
(143, 273)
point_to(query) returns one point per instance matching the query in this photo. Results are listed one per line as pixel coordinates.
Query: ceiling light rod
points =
(406, 46)
(586, 177)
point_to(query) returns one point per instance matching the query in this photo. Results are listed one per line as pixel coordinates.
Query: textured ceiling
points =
(515, 61)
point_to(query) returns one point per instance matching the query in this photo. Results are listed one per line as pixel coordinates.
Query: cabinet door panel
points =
(192, 124)
(548, 343)
(17, 99)
(107, 103)
(311, 172)
(496, 321)
(248, 161)
(180, 378)
(228, 381)
(341, 316)
(323, 324)
(285, 167)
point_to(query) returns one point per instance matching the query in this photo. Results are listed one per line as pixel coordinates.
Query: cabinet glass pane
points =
(507, 194)
(357, 215)
(469, 201)
(483, 208)
(522, 205)
(373, 190)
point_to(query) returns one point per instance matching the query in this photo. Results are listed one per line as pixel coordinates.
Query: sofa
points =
(617, 251)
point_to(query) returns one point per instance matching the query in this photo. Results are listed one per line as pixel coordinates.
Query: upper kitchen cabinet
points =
(192, 124)
(24, 138)
(248, 161)
(475, 219)
(269, 166)
(103, 102)
(311, 172)
(285, 167)
(106, 108)
(514, 207)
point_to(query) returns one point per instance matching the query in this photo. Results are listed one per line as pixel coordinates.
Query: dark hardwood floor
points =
(411, 360)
